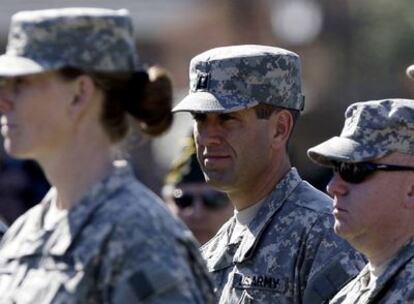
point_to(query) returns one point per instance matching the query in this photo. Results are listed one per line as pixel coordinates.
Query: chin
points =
(342, 231)
(16, 152)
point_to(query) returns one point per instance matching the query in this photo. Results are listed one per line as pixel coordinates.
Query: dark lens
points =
(215, 200)
(182, 200)
(353, 173)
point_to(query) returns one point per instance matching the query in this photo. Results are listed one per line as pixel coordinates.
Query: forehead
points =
(239, 113)
(396, 158)
(37, 76)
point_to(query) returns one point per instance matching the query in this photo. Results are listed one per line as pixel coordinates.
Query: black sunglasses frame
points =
(356, 173)
(210, 200)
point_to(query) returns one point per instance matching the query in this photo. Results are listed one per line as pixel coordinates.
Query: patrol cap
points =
(232, 78)
(93, 39)
(372, 130)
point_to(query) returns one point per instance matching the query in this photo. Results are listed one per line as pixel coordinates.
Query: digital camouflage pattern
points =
(233, 78)
(51, 39)
(288, 254)
(395, 285)
(119, 244)
(372, 130)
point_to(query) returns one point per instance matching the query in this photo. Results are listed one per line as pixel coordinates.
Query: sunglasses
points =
(211, 199)
(356, 173)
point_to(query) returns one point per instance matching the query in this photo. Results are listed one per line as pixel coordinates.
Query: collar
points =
(395, 265)
(272, 203)
(221, 253)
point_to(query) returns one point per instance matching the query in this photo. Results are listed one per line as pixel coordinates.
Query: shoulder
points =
(137, 208)
(307, 196)
(304, 209)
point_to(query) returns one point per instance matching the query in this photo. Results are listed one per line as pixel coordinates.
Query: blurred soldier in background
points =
(203, 209)
(280, 246)
(373, 190)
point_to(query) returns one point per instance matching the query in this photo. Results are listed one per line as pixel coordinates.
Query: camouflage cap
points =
(372, 130)
(87, 38)
(233, 78)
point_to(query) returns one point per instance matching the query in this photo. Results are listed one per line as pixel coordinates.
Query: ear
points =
(84, 90)
(281, 123)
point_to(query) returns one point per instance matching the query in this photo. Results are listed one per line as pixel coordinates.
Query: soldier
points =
(71, 85)
(280, 246)
(373, 190)
(203, 209)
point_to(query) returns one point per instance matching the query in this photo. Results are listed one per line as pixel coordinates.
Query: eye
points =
(17, 83)
(226, 117)
(199, 117)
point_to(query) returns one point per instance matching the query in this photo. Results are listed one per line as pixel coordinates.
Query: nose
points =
(337, 186)
(208, 132)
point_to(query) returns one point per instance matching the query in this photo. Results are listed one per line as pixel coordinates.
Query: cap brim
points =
(410, 71)
(343, 150)
(206, 102)
(11, 66)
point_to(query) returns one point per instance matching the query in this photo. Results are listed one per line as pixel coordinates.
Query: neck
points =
(380, 253)
(73, 171)
(244, 197)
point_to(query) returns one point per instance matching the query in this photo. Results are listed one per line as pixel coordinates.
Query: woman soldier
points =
(71, 86)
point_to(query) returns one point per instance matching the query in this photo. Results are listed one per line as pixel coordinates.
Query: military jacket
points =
(395, 285)
(288, 253)
(119, 244)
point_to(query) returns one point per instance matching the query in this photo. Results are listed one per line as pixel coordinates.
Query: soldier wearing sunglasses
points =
(202, 208)
(279, 247)
(373, 189)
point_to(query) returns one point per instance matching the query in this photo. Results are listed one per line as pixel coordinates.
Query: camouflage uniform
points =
(289, 252)
(117, 245)
(372, 130)
(395, 285)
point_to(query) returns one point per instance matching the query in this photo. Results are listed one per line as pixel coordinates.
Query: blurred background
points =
(351, 51)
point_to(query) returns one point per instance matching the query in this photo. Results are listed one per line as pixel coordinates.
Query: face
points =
(234, 149)
(370, 212)
(33, 114)
(203, 209)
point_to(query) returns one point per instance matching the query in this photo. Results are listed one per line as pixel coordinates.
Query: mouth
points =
(214, 159)
(338, 211)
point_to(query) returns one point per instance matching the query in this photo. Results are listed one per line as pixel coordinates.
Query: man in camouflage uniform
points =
(115, 242)
(373, 189)
(280, 246)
